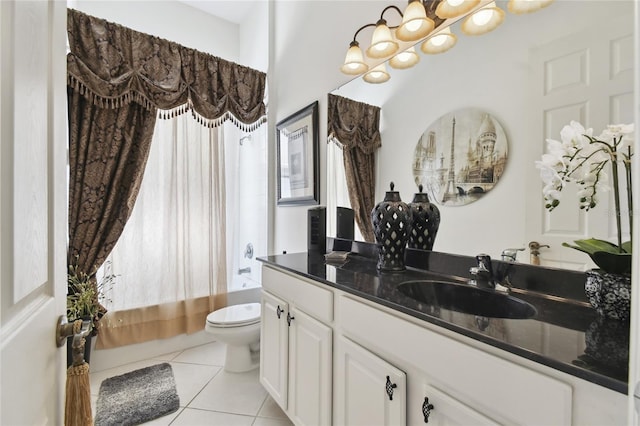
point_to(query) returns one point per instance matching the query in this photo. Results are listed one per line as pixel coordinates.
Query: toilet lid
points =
(248, 313)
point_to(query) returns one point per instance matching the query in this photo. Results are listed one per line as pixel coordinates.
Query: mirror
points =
(491, 72)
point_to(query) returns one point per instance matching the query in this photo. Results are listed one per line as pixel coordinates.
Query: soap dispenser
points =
(391, 227)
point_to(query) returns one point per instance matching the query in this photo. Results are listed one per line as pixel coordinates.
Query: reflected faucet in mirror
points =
(534, 248)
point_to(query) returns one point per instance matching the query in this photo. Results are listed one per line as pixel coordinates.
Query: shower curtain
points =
(170, 262)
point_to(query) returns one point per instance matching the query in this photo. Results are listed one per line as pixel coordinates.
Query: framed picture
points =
(461, 157)
(298, 158)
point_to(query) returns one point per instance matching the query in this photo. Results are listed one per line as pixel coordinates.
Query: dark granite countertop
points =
(565, 333)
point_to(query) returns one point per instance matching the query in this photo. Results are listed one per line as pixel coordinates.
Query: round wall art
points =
(460, 157)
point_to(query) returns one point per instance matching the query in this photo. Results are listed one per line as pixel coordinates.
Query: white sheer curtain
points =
(171, 261)
(337, 191)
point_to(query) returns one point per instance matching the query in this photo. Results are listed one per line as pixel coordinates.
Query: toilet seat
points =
(235, 316)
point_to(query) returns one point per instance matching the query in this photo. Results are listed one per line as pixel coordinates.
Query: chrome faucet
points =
(483, 276)
(509, 255)
(483, 273)
(246, 270)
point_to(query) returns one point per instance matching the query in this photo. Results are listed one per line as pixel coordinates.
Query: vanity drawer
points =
(311, 298)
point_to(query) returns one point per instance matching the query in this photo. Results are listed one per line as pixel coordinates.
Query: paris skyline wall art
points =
(460, 157)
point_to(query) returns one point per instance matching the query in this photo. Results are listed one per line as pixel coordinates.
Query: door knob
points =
(65, 329)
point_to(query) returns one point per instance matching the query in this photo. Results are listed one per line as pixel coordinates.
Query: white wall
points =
(253, 38)
(488, 72)
(310, 39)
(170, 20)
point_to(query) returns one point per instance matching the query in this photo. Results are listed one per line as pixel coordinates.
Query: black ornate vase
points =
(607, 343)
(609, 293)
(391, 226)
(426, 220)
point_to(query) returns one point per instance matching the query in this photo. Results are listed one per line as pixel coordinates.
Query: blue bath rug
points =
(137, 397)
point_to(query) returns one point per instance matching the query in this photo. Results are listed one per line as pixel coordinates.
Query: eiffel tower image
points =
(450, 192)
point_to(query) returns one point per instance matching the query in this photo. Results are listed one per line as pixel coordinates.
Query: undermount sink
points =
(467, 299)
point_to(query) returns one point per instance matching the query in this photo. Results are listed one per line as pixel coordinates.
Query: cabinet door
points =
(448, 411)
(310, 359)
(361, 384)
(274, 344)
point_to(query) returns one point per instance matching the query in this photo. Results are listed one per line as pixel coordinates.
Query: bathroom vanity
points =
(345, 344)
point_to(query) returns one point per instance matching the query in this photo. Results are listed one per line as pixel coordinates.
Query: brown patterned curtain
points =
(117, 80)
(356, 126)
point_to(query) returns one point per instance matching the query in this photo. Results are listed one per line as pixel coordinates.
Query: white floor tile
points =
(165, 420)
(263, 421)
(167, 357)
(192, 417)
(211, 395)
(191, 379)
(271, 409)
(209, 354)
(237, 393)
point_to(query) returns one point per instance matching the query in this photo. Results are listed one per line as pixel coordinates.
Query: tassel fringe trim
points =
(132, 96)
(78, 370)
(210, 122)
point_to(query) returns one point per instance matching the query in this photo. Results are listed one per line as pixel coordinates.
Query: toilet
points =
(238, 326)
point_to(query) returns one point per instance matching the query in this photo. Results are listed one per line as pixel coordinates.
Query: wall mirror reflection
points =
(534, 73)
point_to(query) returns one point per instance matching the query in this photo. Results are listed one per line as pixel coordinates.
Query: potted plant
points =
(582, 158)
(84, 300)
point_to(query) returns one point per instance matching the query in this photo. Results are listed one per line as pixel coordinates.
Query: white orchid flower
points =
(572, 135)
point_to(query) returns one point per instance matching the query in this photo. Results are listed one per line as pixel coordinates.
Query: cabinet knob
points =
(289, 318)
(279, 311)
(426, 409)
(390, 387)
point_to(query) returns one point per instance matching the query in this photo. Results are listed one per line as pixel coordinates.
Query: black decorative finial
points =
(392, 185)
(420, 188)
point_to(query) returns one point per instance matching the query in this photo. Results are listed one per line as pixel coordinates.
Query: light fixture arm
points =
(391, 7)
(381, 19)
(360, 29)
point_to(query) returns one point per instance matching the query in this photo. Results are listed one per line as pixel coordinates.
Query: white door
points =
(587, 77)
(33, 213)
(369, 390)
(274, 348)
(310, 359)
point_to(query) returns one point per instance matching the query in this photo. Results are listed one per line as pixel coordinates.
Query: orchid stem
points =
(616, 196)
(627, 167)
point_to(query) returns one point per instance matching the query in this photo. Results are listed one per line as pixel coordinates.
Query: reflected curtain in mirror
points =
(356, 127)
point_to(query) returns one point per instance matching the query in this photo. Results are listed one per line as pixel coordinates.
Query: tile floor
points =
(208, 394)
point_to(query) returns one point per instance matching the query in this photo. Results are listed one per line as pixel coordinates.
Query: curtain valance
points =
(112, 65)
(355, 124)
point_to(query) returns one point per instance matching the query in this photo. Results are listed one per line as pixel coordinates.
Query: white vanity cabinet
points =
(296, 347)
(467, 384)
(341, 348)
(368, 390)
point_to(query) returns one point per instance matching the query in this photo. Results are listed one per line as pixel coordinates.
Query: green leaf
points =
(606, 255)
(593, 245)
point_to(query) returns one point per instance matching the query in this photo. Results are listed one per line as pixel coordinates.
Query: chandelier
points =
(424, 22)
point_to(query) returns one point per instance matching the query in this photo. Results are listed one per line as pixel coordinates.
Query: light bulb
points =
(405, 59)
(439, 40)
(482, 17)
(413, 25)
